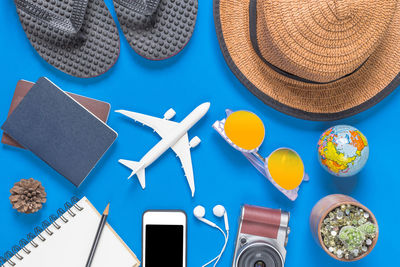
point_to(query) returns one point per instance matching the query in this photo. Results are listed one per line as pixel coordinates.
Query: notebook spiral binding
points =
(38, 231)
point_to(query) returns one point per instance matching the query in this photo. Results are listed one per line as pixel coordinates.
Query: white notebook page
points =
(70, 245)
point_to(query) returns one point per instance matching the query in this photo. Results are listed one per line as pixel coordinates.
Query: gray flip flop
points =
(78, 37)
(157, 29)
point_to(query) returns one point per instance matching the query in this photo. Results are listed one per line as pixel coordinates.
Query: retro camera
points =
(262, 237)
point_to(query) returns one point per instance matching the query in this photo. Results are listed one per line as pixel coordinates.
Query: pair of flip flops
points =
(80, 37)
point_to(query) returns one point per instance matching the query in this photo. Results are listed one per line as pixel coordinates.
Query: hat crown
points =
(321, 41)
(342, 9)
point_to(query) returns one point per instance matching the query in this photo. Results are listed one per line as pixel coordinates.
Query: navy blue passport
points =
(60, 131)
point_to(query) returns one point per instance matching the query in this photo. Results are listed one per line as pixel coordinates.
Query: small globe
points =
(343, 150)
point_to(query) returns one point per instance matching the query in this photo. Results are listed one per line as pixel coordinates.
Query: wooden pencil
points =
(98, 235)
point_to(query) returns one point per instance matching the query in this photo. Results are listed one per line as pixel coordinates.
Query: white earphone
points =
(219, 211)
(199, 213)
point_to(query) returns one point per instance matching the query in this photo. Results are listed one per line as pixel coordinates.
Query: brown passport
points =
(99, 108)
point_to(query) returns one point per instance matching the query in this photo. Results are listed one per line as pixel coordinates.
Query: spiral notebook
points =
(66, 242)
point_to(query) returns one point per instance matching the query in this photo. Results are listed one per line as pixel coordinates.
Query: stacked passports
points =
(65, 130)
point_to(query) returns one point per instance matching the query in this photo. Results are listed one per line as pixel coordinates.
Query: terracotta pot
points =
(321, 210)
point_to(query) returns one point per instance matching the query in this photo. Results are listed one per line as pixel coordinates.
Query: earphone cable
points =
(225, 236)
(223, 249)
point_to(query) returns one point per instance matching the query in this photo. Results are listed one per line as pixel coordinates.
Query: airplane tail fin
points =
(137, 168)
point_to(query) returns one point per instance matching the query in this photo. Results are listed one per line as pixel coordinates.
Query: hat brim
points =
(376, 79)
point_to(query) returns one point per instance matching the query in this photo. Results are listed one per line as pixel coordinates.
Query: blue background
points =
(196, 75)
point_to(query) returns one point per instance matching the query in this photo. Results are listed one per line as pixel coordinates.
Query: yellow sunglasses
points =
(245, 132)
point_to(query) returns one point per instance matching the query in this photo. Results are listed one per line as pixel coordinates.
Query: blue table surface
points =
(222, 175)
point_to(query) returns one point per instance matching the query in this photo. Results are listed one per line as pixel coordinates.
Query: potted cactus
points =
(343, 227)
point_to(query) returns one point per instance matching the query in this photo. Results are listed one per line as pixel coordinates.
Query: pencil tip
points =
(107, 209)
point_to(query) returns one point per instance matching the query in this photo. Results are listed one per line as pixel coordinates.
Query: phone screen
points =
(164, 245)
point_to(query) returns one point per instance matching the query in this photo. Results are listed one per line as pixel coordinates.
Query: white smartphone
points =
(164, 238)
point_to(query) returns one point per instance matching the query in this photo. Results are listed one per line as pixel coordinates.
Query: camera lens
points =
(259, 255)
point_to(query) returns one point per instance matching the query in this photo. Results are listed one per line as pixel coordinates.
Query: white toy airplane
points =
(174, 135)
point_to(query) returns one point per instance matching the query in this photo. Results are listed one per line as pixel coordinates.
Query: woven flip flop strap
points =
(69, 26)
(144, 7)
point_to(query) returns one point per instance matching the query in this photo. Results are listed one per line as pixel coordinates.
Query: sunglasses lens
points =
(286, 168)
(245, 129)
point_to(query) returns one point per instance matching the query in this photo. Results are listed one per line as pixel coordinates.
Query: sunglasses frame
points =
(256, 159)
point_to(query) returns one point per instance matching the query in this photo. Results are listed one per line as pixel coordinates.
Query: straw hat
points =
(312, 59)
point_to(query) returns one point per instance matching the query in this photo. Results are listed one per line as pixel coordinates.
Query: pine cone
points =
(27, 196)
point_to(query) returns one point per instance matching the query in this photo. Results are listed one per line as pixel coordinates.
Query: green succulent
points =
(351, 237)
(354, 237)
(368, 228)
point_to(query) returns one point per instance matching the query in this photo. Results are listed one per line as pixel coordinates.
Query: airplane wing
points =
(182, 150)
(161, 126)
